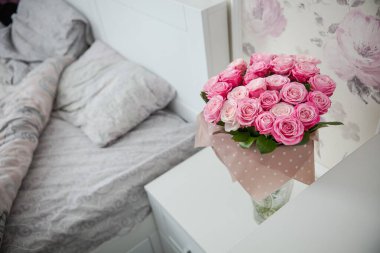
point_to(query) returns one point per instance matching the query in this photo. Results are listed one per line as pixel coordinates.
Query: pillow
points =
(106, 96)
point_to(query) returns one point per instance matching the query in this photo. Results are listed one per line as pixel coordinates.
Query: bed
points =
(77, 197)
(88, 192)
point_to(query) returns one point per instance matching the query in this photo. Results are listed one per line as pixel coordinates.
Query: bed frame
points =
(184, 42)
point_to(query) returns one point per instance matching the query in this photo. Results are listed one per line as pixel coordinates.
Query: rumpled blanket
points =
(23, 116)
(44, 37)
(41, 29)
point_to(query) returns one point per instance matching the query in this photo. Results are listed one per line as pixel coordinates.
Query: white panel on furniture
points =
(183, 41)
(143, 238)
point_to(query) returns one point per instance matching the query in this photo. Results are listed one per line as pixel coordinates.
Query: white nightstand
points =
(198, 209)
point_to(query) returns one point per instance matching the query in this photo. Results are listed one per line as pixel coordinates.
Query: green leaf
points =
(332, 123)
(324, 124)
(240, 130)
(305, 139)
(265, 145)
(248, 143)
(220, 123)
(204, 96)
(243, 137)
(233, 132)
(307, 86)
(240, 136)
(252, 131)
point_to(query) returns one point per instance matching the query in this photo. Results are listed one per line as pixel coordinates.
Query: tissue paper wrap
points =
(259, 174)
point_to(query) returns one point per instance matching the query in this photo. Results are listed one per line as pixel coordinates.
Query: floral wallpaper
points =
(345, 36)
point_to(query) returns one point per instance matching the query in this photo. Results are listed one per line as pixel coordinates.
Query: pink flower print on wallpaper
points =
(354, 54)
(264, 17)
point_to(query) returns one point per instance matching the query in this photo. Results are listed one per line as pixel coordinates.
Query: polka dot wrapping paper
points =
(259, 174)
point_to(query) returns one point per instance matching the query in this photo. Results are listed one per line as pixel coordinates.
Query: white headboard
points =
(183, 41)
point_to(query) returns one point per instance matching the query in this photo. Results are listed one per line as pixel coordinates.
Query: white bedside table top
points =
(200, 195)
(339, 213)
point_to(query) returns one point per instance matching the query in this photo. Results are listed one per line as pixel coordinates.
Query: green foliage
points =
(244, 137)
(248, 143)
(204, 96)
(220, 123)
(305, 139)
(252, 131)
(324, 124)
(248, 136)
(307, 86)
(240, 136)
(265, 144)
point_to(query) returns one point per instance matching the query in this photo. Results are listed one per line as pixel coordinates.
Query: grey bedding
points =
(24, 114)
(31, 61)
(77, 195)
(41, 29)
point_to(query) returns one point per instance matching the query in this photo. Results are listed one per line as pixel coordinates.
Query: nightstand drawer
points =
(171, 246)
(174, 238)
(177, 237)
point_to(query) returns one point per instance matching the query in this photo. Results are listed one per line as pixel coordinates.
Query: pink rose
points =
(247, 111)
(282, 64)
(249, 76)
(269, 98)
(260, 57)
(238, 93)
(219, 88)
(320, 100)
(293, 93)
(302, 71)
(282, 109)
(257, 69)
(322, 83)
(307, 113)
(288, 130)
(212, 109)
(264, 122)
(307, 58)
(256, 87)
(238, 64)
(211, 82)
(232, 76)
(228, 116)
(276, 82)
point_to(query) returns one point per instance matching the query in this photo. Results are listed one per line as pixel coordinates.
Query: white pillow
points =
(106, 95)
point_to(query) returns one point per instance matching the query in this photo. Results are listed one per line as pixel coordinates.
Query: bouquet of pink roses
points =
(275, 100)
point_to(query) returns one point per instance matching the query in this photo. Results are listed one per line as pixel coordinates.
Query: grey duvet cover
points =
(76, 195)
(24, 113)
(44, 37)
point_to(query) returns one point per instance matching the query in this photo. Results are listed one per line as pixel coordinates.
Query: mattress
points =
(76, 195)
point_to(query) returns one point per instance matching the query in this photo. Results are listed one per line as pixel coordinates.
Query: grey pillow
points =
(106, 96)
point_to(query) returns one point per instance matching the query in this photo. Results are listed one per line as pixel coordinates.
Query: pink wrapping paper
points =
(260, 175)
